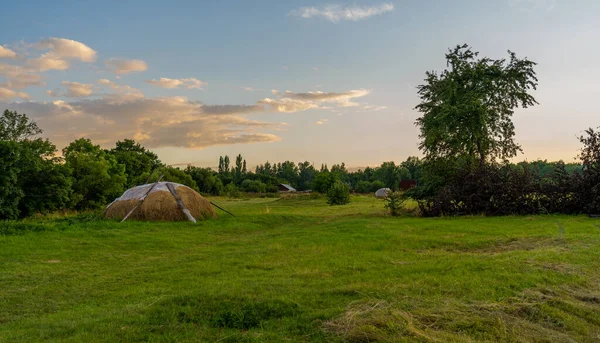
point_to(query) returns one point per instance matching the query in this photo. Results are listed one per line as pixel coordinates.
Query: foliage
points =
(206, 179)
(176, 175)
(231, 191)
(394, 202)
(45, 180)
(338, 194)
(32, 179)
(253, 186)
(590, 175)
(97, 176)
(138, 161)
(323, 182)
(467, 108)
(17, 127)
(10, 192)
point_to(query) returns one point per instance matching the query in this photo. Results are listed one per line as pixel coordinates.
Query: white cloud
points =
(7, 53)
(274, 92)
(335, 13)
(189, 83)
(52, 93)
(77, 90)
(48, 62)
(18, 77)
(373, 108)
(155, 122)
(248, 89)
(9, 94)
(118, 87)
(108, 83)
(123, 66)
(343, 99)
(322, 122)
(62, 48)
(287, 105)
(295, 102)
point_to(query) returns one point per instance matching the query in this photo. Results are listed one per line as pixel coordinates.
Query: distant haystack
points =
(382, 192)
(159, 203)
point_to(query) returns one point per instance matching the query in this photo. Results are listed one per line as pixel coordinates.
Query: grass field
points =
(298, 270)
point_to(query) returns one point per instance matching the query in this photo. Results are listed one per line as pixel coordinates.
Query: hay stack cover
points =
(160, 204)
(382, 192)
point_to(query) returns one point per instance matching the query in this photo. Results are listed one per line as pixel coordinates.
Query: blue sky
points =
(351, 69)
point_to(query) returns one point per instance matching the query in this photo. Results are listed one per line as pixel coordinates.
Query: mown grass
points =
(299, 270)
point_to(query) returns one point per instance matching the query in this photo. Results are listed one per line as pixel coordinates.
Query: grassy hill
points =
(299, 270)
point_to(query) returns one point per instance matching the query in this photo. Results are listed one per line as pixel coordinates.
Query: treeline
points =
(464, 186)
(33, 179)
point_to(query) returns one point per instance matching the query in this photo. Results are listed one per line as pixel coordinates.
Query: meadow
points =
(298, 270)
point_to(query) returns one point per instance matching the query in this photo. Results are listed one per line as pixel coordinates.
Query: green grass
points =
(298, 270)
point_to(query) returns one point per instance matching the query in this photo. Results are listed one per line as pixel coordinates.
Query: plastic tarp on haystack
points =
(382, 192)
(156, 202)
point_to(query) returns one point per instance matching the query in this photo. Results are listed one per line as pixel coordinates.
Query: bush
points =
(364, 187)
(394, 202)
(232, 191)
(252, 186)
(323, 182)
(338, 194)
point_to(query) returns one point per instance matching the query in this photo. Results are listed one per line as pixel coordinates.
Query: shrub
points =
(323, 182)
(253, 186)
(232, 191)
(338, 194)
(394, 202)
(364, 187)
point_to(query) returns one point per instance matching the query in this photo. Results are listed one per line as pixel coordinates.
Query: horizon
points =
(318, 81)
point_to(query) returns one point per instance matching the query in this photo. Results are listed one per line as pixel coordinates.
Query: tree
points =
(338, 194)
(32, 178)
(205, 178)
(176, 175)
(394, 201)
(137, 160)
(98, 177)
(224, 164)
(590, 175)
(44, 179)
(288, 172)
(238, 171)
(323, 182)
(10, 192)
(17, 127)
(391, 174)
(306, 175)
(467, 108)
(414, 165)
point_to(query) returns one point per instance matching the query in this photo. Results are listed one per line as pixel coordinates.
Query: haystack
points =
(382, 192)
(156, 203)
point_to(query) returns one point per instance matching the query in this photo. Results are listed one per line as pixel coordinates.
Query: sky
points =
(318, 81)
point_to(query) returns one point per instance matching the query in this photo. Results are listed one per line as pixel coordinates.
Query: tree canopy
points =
(467, 108)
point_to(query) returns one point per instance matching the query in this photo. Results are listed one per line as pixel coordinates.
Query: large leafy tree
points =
(98, 177)
(138, 161)
(17, 127)
(467, 108)
(32, 178)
